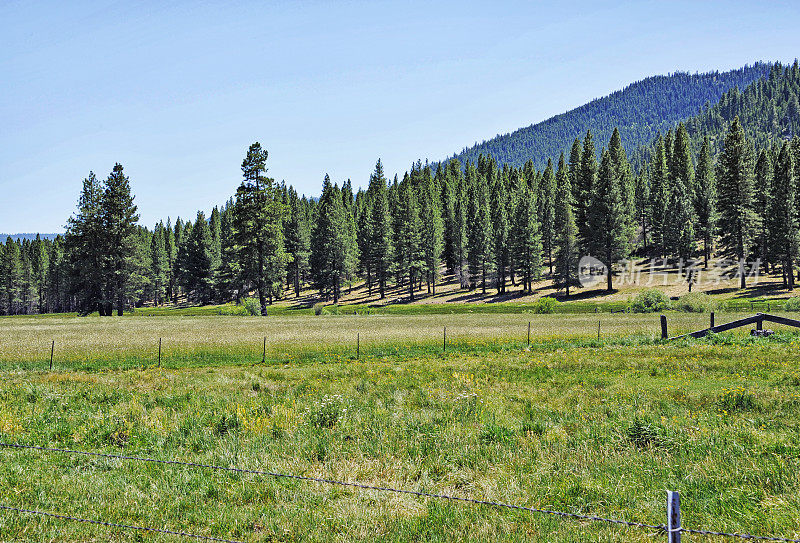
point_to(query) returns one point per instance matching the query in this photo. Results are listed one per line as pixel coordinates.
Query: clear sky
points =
(176, 91)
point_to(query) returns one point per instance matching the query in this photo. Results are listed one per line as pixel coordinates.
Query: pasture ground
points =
(573, 424)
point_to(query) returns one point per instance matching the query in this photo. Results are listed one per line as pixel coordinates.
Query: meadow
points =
(572, 423)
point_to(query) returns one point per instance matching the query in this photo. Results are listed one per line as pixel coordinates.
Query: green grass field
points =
(576, 424)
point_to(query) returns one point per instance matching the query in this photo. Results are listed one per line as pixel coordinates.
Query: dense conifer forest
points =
(640, 111)
(723, 182)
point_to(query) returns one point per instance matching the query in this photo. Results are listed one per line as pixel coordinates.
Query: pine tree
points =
(706, 199)
(737, 219)
(258, 228)
(432, 240)
(40, 267)
(10, 277)
(298, 241)
(679, 237)
(608, 222)
(566, 232)
(380, 224)
(761, 202)
(526, 236)
(546, 203)
(197, 267)
(584, 190)
(159, 263)
(642, 203)
(479, 228)
(659, 196)
(460, 241)
(329, 242)
(500, 231)
(119, 218)
(783, 221)
(85, 249)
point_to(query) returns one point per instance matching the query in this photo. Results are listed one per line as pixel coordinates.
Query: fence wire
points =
(115, 525)
(660, 528)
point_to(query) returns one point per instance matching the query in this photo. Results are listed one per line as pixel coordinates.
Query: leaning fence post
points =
(52, 350)
(673, 517)
(664, 327)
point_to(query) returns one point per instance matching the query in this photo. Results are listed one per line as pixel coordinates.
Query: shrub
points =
(792, 304)
(695, 302)
(649, 301)
(545, 305)
(318, 308)
(252, 307)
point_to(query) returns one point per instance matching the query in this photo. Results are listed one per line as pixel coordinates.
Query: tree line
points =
(697, 192)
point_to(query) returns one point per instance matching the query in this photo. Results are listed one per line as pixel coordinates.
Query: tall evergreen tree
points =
(737, 219)
(783, 220)
(706, 199)
(566, 232)
(298, 241)
(546, 204)
(761, 202)
(159, 261)
(380, 224)
(526, 235)
(479, 229)
(432, 240)
(586, 178)
(607, 218)
(258, 228)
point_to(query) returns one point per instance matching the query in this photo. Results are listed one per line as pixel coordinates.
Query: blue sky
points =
(176, 91)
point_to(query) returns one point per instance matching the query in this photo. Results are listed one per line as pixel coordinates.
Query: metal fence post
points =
(444, 340)
(52, 350)
(159, 352)
(673, 517)
(264, 351)
(529, 333)
(358, 345)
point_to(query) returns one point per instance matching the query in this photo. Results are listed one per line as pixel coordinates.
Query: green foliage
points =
(545, 305)
(792, 304)
(649, 301)
(251, 306)
(695, 302)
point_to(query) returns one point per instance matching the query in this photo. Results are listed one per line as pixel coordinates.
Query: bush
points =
(792, 304)
(695, 302)
(545, 305)
(318, 308)
(649, 301)
(252, 307)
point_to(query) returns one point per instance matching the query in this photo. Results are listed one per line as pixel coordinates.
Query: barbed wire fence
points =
(672, 528)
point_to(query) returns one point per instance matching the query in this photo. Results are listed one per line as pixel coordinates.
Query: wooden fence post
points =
(759, 323)
(598, 330)
(673, 517)
(712, 320)
(52, 350)
(664, 334)
(264, 351)
(159, 352)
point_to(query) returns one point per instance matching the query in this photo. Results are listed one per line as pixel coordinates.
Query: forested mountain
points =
(724, 183)
(640, 111)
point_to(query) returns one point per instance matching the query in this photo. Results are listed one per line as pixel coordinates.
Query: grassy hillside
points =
(640, 110)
